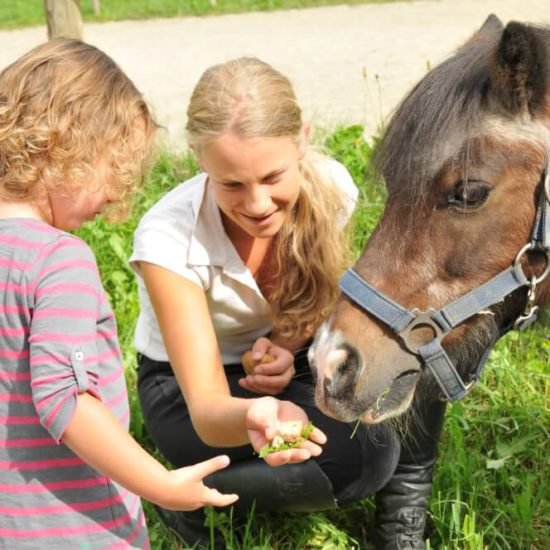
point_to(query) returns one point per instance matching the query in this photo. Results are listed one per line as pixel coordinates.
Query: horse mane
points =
(442, 113)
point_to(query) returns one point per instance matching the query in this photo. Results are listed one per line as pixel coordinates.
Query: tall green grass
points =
(21, 13)
(491, 485)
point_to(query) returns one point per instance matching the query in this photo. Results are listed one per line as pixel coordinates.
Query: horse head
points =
(466, 160)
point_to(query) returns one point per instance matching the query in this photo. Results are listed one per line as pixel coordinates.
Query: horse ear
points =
(491, 27)
(492, 24)
(519, 72)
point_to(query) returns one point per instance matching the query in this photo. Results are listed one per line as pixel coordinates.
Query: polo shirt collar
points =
(208, 230)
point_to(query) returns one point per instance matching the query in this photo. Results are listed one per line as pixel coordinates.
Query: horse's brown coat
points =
(487, 133)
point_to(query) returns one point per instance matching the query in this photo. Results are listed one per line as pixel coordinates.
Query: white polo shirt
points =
(184, 233)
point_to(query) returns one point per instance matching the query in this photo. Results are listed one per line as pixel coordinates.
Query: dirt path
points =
(348, 64)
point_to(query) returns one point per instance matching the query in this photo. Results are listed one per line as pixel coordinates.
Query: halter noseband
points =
(403, 321)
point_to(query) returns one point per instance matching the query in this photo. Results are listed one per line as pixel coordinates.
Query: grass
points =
(490, 489)
(21, 13)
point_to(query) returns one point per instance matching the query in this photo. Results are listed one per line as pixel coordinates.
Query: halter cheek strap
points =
(403, 321)
(540, 236)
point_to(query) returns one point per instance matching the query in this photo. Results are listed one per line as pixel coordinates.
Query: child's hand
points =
(270, 377)
(263, 418)
(187, 490)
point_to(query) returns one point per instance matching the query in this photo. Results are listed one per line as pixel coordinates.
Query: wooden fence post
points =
(63, 18)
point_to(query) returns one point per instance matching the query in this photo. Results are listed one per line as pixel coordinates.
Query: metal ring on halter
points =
(527, 248)
(422, 318)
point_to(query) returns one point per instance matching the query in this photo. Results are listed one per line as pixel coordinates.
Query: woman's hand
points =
(269, 378)
(186, 490)
(261, 421)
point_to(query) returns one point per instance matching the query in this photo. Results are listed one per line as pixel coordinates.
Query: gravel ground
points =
(349, 64)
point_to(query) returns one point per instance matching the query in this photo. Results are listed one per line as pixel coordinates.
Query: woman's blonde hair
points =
(251, 99)
(64, 105)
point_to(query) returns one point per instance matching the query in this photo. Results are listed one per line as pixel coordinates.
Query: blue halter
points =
(403, 321)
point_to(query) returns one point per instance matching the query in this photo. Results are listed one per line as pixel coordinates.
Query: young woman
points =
(74, 137)
(247, 256)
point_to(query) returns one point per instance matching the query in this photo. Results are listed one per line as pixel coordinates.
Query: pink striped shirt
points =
(58, 338)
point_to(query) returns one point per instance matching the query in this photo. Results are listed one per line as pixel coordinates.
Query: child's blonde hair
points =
(251, 99)
(64, 105)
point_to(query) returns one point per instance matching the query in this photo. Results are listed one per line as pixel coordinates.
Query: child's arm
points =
(220, 419)
(65, 359)
(97, 437)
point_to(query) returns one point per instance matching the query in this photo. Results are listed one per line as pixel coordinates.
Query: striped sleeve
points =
(63, 331)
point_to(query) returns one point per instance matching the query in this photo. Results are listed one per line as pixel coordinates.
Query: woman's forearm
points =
(220, 420)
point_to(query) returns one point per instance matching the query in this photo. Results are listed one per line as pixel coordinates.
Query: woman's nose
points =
(258, 201)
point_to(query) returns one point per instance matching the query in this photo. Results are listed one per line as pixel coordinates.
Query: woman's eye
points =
(468, 195)
(273, 178)
(231, 184)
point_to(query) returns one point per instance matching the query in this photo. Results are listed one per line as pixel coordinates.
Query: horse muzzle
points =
(351, 386)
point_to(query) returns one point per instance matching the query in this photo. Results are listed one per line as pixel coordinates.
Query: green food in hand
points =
(290, 435)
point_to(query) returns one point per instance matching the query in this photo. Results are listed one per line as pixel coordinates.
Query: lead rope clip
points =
(529, 315)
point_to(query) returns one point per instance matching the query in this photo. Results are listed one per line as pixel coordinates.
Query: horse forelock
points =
(444, 115)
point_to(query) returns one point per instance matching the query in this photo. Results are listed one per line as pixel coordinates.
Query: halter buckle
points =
(421, 319)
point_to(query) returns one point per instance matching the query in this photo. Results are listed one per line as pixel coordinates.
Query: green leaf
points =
(268, 449)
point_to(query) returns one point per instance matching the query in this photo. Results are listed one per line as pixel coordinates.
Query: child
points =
(247, 255)
(74, 138)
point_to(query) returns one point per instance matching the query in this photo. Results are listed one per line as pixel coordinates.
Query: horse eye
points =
(468, 195)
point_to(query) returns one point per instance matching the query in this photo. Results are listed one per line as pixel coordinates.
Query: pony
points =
(465, 160)
(461, 254)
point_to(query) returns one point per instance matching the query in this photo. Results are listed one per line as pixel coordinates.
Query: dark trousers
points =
(356, 466)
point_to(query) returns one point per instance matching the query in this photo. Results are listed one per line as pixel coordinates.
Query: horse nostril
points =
(351, 361)
(344, 363)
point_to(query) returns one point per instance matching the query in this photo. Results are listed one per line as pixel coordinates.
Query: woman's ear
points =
(304, 140)
(195, 152)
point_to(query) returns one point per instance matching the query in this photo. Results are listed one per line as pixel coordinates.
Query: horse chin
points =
(375, 415)
(344, 410)
(393, 402)
(338, 412)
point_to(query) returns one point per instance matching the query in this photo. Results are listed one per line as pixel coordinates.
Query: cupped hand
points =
(261, 420)
(187, 490)
(269, 378)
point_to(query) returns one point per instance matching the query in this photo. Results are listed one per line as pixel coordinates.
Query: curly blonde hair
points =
(251, 99)
(64, 105)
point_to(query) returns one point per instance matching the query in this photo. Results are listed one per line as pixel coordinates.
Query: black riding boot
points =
(401, 505)
(299, 487)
